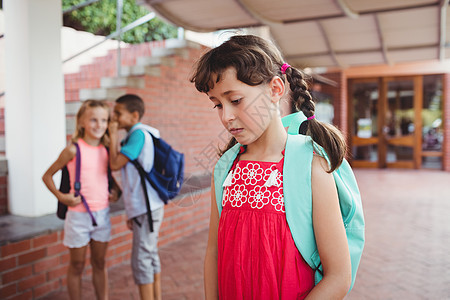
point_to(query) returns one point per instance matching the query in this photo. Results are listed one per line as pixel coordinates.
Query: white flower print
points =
(252, 173)
(238, 195)
(226, 195)
(259, 197)
(236, 174)
(278, 200)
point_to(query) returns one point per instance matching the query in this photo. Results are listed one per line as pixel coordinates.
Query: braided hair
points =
(256, 62)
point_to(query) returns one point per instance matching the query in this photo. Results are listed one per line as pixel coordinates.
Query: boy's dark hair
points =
(256, 62)
(132, 103)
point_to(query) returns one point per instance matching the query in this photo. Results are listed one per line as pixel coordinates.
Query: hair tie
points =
(284, 67)
(310, 118)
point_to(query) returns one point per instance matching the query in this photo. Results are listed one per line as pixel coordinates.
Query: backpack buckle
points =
(77, 186)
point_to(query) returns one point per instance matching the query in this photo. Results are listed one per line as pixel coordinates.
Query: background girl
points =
(92, 138)
(251, 253)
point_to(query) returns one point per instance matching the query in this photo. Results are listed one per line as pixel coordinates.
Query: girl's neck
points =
(269, 146)
(91, 141)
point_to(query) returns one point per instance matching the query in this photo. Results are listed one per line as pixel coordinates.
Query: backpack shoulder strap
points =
(221, 170)
(77, 184)
(298, 196)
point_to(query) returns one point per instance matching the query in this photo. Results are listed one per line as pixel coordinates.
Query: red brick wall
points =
(33, 268)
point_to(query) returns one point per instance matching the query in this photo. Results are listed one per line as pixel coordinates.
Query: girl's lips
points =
(235, 131)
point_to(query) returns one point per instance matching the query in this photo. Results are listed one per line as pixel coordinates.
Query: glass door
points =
(401, 100)
(363, 118)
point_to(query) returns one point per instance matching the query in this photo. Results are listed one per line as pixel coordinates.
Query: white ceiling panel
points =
(413, 55)
(370, 5)
(320, 33)
(304, 38)
(411, 27)
(356, 59)
(293, 10)
(352, 34)
(321, 60)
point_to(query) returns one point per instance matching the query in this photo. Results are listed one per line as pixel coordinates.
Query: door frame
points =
(381, 140)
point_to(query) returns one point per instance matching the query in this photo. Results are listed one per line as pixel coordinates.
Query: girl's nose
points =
(228, 114)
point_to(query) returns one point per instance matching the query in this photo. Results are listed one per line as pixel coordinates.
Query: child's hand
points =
(113, 127)
(113, 196)
(129, 224)
(70, 199)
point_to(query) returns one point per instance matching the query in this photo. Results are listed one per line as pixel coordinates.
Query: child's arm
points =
(116, 159)
(210, 275)
(330, 235)
(66, 155)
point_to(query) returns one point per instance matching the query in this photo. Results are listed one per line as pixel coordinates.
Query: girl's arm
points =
(210, 279)
(66, 155)
(330, 235)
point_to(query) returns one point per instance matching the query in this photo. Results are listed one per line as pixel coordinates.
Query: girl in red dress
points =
(251, 253)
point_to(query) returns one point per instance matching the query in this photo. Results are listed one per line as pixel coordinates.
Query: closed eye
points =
(217, 106)
(237, 101)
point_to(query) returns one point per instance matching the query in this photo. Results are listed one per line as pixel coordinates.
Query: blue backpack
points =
(166, 175)
(298, 195)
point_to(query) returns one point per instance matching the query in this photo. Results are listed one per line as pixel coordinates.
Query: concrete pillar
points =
(34, 101)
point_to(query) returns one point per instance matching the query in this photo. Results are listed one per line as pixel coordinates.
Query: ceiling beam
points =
(347, 52)
(327, 42)
(361, 13)
(381, 39)
(347, 10)
(442, 28)
(256, 15)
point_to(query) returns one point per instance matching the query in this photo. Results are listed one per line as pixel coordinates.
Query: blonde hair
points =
(79, 131)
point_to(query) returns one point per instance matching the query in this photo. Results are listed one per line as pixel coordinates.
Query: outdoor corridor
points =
(406, 254)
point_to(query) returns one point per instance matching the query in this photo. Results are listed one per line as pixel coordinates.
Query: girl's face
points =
(245, 111)
(95, 122)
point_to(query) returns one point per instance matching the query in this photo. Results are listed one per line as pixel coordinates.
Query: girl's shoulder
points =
(71, 150)
(319, 165)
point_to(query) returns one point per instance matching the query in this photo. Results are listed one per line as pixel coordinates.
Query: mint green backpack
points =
(298, 195)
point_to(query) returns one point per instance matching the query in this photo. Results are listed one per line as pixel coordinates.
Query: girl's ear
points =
(277, 88)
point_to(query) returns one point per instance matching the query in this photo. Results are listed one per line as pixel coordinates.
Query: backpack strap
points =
(293, 122)
(142, 175)
(298, 198)
(77, 184)
(221, 170)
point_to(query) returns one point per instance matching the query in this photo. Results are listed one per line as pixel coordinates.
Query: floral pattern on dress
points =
(259, 196)
(278, 200)
(226, 194)
(252, 173)
(236, 175)
(238, 195)
(255, 184)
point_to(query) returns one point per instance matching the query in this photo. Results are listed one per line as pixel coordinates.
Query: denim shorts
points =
(78, 228)
(145, 261)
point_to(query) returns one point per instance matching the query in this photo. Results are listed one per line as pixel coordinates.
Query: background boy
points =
(138, 144)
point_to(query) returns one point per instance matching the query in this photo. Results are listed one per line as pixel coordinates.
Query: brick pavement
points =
(406, 256)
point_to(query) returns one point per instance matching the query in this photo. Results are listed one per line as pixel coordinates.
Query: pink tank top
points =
(93, 176)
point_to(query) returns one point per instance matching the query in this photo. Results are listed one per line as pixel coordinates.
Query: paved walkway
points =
(407, 252)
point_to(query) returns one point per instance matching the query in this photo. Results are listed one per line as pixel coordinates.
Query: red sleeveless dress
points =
(257, 257)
